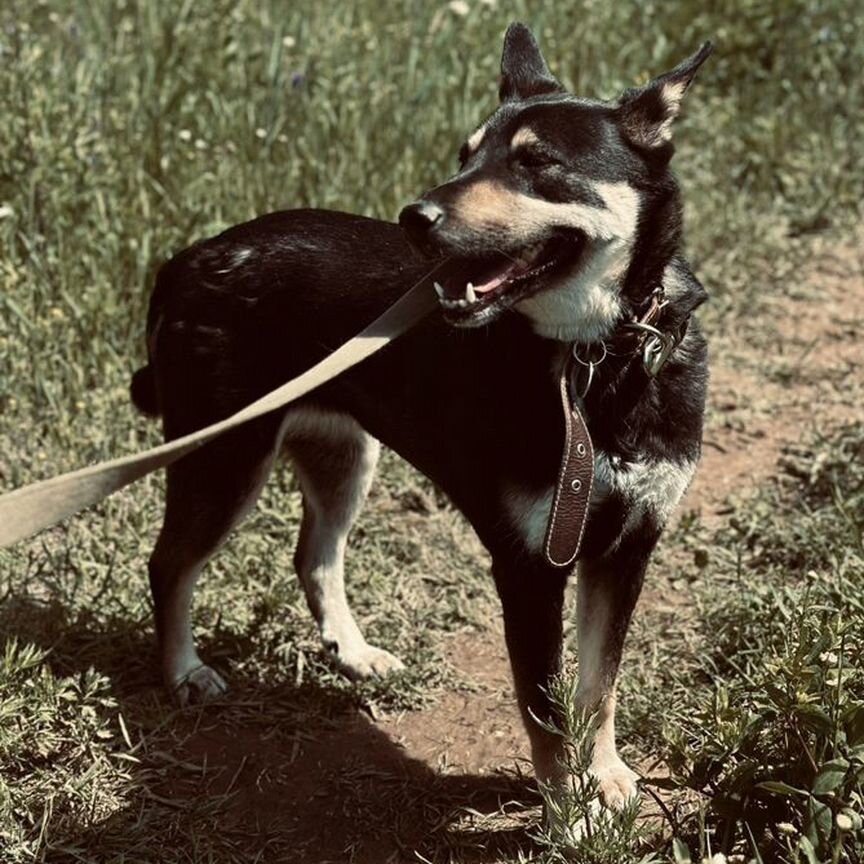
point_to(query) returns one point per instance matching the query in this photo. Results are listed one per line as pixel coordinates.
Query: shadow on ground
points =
(277, 772)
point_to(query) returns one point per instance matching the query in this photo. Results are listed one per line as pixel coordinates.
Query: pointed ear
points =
(646, 113)
(524, 72)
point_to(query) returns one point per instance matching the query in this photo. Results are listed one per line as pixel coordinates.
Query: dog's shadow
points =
(276, 772)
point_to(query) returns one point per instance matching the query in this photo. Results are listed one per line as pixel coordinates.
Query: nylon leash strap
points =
(33, 508)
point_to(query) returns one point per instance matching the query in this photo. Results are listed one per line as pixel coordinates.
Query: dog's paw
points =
(616, 787)
(367, 661)
(616, 782)
(202, 684)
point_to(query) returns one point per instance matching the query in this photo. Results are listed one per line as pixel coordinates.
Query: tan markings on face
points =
(475, 140)
(524, 137)
(490, 204)
(487, 204)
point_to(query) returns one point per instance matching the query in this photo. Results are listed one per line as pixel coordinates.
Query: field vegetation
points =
(132, 128)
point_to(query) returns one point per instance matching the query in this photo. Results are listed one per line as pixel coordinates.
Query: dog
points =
(560, 234)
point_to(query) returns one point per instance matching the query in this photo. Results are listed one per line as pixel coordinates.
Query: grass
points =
(764, 710)
(132, 129)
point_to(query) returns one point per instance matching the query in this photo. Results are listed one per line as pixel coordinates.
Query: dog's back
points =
(260, 303)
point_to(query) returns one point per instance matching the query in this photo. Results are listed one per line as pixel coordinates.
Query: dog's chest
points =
(648, 489)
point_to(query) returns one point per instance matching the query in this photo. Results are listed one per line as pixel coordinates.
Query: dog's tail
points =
(143, 391)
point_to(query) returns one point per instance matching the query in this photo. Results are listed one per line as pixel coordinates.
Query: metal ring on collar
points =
(656, 349)
(590, 365)
(589, 362)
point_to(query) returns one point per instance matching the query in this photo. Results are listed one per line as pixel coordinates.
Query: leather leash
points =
(575, 480)
(35, 507)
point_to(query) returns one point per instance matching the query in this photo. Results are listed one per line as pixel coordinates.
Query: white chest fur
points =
(654, 486)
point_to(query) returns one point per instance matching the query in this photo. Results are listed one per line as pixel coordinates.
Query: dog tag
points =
(573, 490)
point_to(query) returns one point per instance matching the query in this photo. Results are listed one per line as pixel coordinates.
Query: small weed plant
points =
(577, 827)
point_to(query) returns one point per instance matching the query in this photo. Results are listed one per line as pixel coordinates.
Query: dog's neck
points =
(589, 305)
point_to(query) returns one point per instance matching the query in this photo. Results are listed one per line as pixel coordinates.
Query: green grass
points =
(131, 129)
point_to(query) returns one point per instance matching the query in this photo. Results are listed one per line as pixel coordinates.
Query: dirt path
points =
(784, 379)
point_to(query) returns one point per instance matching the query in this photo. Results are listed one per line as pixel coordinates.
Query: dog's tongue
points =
(487, 278)
(505, 270)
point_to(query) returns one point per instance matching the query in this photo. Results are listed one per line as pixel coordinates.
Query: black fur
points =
(143, 392)
(524, 72)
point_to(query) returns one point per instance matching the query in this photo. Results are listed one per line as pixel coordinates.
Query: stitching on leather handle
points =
(568, 440)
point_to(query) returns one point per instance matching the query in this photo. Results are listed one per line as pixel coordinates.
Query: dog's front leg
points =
(606, 596)
(532, 598)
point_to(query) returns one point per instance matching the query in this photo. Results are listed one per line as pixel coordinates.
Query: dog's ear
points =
(524, 72)
(645, 114)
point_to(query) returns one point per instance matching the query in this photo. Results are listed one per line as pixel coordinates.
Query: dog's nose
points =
(419, 218)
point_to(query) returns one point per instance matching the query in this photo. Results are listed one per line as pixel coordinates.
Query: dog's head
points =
(555, 199)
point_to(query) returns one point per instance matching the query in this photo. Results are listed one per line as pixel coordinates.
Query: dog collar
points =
(641, 335)
(655, 344)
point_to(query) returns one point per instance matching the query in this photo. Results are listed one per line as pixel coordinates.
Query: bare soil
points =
(451, 782)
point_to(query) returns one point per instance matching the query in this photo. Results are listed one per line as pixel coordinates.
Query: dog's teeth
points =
(449, 303)
(470, 295)
(439, 291)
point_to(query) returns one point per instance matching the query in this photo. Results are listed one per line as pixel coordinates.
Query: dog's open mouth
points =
(476, 288)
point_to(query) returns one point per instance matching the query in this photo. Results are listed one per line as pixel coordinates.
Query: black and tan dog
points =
(562, 227)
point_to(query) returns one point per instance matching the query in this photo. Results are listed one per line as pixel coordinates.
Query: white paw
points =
(201, 684)
(366, 661)
(617, 783)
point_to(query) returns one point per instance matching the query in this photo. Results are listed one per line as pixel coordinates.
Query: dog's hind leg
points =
(607, 591)
(207, 494)
(334, 460)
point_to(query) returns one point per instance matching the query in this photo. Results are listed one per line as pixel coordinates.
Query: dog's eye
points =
(532, 157)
